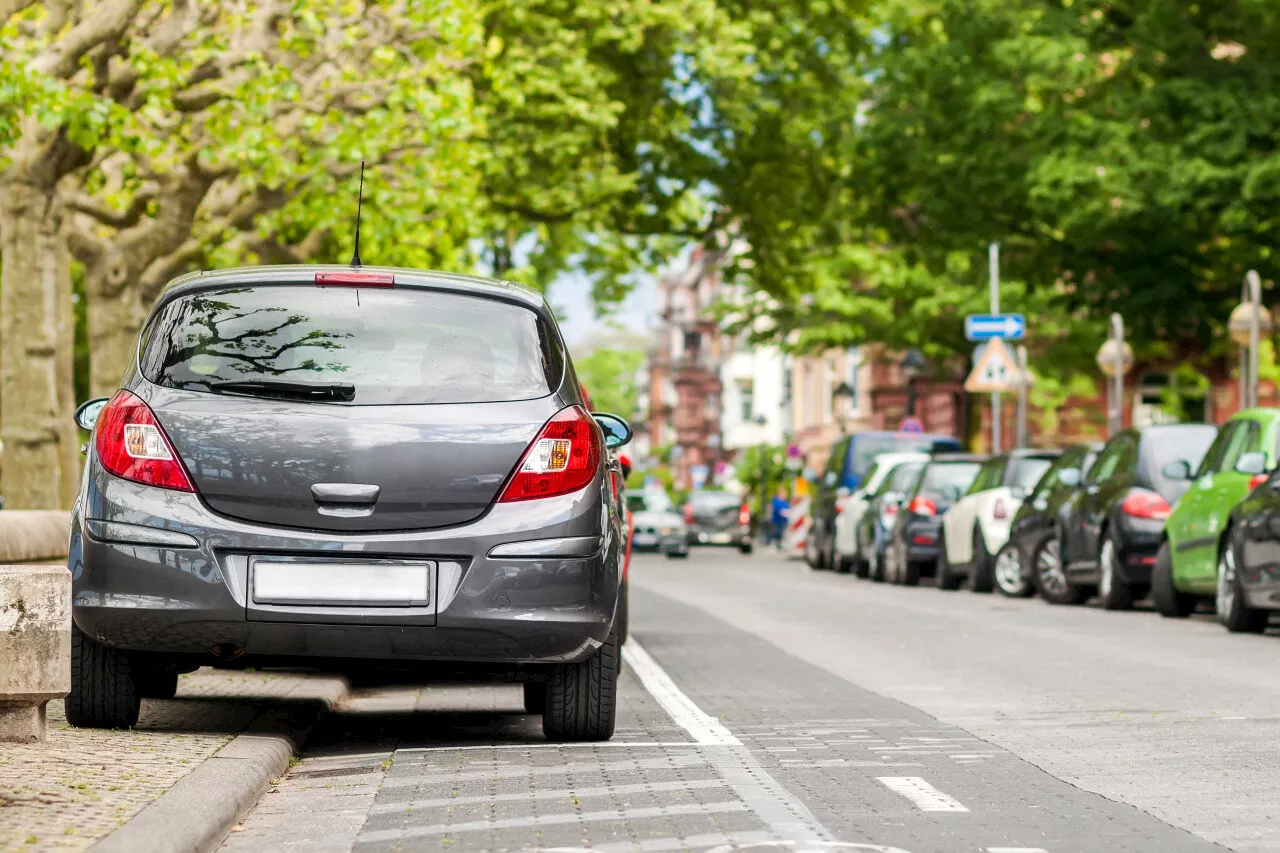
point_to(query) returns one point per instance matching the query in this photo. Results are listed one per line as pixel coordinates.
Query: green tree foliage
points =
(610, 378)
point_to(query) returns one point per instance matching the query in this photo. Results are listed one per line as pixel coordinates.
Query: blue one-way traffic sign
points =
(984, 327)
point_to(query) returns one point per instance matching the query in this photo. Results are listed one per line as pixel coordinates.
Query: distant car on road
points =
(848, 465)
(976, 529)
(349, 468)
(1116, 525)
(846, 553)
(717, 517)
(912, 550)
(1189, 560)
(883, 506)
(657, 526)
(1030, 561)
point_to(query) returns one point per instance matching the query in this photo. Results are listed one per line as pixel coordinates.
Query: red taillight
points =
(1000, 510)
(921, 505)
(132, 445)
(562, 459)
(355, 279)
(1257, 480)
(688, 513)
(613, 478)
(1145, 504)
(744, 515)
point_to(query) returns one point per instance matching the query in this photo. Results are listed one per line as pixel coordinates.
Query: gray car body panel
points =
(483, 610)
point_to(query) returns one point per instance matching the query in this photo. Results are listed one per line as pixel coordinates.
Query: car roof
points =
(933, 436)
(899, 456)
(305, 273)
(941, 458)
(1158, 430)
(1258, 415)
(1034, 453)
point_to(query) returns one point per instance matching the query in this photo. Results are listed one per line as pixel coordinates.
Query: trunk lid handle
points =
(351, 494)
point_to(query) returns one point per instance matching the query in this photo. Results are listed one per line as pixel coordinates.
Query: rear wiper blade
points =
(340, 391)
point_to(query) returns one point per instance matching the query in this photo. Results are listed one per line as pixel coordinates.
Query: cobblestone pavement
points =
(727, 742)
(83, 783)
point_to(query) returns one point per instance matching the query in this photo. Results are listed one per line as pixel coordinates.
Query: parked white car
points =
(977, 526)
(851, 507)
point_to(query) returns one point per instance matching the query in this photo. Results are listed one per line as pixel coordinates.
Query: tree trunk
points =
(114, 315)
(41, 451)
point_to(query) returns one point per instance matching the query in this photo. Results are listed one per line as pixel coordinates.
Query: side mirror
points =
(1019, 492)
(1252, 463)
(1177, 470)
(617, 432)
(893, 498)
(87, 414)
(1069, 477)
(843, 492)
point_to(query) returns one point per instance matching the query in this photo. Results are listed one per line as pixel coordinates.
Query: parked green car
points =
(1186, 569)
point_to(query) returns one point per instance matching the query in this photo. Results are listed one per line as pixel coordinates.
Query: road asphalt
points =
(768, 707)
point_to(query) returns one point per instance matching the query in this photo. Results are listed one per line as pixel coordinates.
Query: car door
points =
(1229, 486)
(1188, 530)
(824, 499)
(1112, 473)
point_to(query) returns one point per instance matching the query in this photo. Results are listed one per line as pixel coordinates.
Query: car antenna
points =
(355, 257)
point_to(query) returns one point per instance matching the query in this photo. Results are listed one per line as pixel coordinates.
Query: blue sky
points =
(571, 296)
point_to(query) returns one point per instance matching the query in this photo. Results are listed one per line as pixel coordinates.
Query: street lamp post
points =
(760, 421)
(1115, 357)
(1247, 323)
(912, 365)
(840, 398)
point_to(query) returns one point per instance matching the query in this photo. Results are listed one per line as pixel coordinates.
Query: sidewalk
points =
(82, 783)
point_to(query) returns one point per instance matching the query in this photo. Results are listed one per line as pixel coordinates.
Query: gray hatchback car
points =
(355, 469)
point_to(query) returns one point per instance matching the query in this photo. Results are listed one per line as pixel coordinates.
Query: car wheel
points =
(811, 555)
(582, 698)
(861, 568)
(878, 567)
(839, 561)
(981, 572)
(1114, 592)
(1049, 576)
(535, 697)
(1164, 595)
(1233, 612)
(947, 579)
(911, 572)
(1010, 578)
(103, 692)
(677, 555)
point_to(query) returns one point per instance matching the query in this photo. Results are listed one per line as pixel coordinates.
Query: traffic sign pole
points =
(994, 257)
(1020, 436)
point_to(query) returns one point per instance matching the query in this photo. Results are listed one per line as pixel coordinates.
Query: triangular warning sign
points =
(995, 371)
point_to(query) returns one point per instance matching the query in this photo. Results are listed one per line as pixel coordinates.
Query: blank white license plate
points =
(336, 584)
(721, 538)
(646, 539)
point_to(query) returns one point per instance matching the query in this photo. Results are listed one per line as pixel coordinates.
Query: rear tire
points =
(841, 563)
(811, 555)
(1049, 576)
(103, 693)
(911, 572)
(982, 571)
(947, 579)
(1169, 603)
(1112, 589)
(878, 567)
(1010, 574)
(1234, 614)
(582, 698)
(745, 549)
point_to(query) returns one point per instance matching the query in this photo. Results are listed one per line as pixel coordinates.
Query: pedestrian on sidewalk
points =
(779, 509)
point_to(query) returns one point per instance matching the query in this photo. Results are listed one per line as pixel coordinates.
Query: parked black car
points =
(850, 461)
(1114, 527)
(1249, 567)
(1029, 561)
(717, 517)
(912, 549)
(882, 509)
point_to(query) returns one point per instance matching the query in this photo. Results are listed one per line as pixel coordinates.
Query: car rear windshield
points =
(949, 480)
(354, 345)
(867, 447)
(1028, 471)
(649, 502)
(714, 500)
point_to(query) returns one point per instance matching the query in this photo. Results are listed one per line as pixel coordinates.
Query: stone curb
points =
(197, 813)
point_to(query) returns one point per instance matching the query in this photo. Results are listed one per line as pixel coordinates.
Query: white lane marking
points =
(776, 807)
(701, 726)
(920, 792)
(567, 793)
(400, 833)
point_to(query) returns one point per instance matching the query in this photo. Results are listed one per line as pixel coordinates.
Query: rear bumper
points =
(921, 538)
(197, 600)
